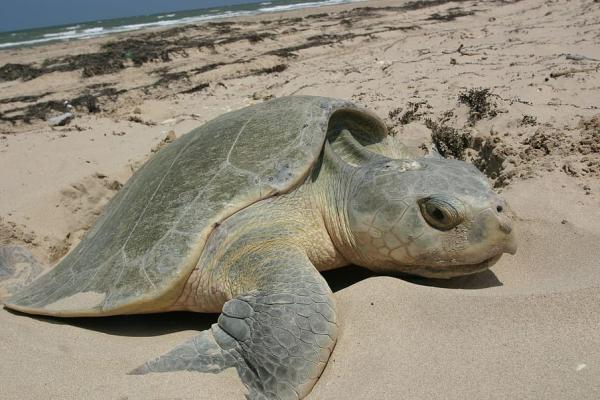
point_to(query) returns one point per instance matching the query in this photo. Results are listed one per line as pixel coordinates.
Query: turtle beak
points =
(510, 245)
(510, 240)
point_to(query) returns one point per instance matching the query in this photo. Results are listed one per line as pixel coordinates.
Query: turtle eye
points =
(442, 212)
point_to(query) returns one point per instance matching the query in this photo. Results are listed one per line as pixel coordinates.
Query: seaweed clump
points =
(273, 69)
(487, 154)
(411, 114)
(420, 4)
(449, 142)
(86, 102)
(590, 135)
(479, 103)
(528, 120)
(12, 72)
(263, 71)
(197, 88)
(451, 15)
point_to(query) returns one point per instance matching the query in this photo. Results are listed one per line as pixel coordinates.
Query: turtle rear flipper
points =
(202, 354)
(278, 336)
(18, 268)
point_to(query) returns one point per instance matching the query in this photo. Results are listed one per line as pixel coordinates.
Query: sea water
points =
(90, 29)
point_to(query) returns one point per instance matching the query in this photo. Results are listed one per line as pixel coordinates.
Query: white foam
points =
(60, 34)
(73, 32)
(93, 30)
(181, 21)
(49, 37)
(298, 6)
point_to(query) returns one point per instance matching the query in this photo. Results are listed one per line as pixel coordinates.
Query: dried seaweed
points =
(24, 99)
(196, 88)
(450, 142)
(12, 72)
(479, 103)
(450, 15)
(87, 102)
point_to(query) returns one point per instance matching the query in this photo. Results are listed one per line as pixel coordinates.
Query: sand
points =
(526, 329)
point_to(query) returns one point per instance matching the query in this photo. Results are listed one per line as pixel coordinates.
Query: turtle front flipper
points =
(278, 335)
(18, 268)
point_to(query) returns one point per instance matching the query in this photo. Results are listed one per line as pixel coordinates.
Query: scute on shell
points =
(138, 255)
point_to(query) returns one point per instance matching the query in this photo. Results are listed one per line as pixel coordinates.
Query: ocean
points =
(90, 29)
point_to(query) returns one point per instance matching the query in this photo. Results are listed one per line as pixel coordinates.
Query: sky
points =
(27, 14)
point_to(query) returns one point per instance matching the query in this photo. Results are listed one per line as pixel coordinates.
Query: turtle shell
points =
(138, 255)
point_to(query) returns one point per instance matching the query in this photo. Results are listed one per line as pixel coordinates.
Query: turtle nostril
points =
(499, 208)
(506, 227)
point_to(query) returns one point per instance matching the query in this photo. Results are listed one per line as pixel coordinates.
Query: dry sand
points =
(527, 329)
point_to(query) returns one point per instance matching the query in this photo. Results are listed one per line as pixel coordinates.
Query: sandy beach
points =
(512, 86)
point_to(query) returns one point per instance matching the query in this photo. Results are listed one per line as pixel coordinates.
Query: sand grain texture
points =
(527, 329)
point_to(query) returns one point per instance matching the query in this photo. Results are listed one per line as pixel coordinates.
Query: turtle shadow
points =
(136, 325)
(148, 325)
(342, 278)
(481, 280)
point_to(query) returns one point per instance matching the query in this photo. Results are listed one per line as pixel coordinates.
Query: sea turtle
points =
(241, 214)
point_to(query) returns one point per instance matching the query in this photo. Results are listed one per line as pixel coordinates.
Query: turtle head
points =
(431, 217)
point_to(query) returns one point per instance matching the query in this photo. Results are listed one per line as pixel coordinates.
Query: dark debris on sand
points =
(420, 4)
(450, 142)
(165, 45)
(270, 70)
(450, 15)
(312, 41)
(139, 49)
(487, 154)
(117, 55)
(87, 102)
(12, 72)
(480, 104)
(412, 113)
(166, 78)
(24, 99)
(196, 88)
(328, 39)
